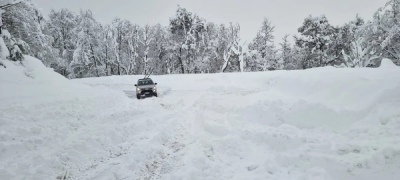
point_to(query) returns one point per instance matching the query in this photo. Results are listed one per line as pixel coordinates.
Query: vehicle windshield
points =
(145, 82)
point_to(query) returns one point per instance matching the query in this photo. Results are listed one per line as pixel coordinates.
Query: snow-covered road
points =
(322, 123)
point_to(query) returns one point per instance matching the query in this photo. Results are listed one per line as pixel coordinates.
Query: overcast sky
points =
(285, 15)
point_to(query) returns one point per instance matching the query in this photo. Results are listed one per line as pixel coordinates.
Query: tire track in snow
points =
(167, 135)
(175, 147)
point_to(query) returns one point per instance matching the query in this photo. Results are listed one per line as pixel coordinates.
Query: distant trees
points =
(159, 46)
(286, 58)
(263, 44)
(76, 45)
(384, 31)
(187, 32)
(60, 26)
(86, 57)
(233, 52)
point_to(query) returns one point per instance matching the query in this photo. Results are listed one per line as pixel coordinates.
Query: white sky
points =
(286, 15)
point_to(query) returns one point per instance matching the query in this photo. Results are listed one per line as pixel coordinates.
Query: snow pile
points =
(50, 126)
(387, 63)
(30, 79)
(4, 53)
(323, 123)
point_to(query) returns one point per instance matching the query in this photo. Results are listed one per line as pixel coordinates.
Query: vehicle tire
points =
(155, 95)
(138, 96)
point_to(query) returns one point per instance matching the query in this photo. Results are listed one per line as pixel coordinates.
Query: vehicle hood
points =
(146, 86)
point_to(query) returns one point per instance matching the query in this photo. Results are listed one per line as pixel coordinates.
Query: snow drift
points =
(50, 126)
(322, 123)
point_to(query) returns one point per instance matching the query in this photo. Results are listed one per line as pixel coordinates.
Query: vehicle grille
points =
(147, 91)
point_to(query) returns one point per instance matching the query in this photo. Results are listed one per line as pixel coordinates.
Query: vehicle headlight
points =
(154, 89)
(138, 89)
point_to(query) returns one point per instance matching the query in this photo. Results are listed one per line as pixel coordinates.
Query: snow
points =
(50, 125)
(322, 123)
(6, 34)
(5, 2)
(387, 63)
(4, 53)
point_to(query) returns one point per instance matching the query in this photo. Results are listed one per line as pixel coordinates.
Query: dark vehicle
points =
(146, 87)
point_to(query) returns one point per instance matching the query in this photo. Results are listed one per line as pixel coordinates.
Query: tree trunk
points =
(321, 58)
(119, 69)
(94, 60)
(226, 57)
(145, 64)
(106, 61)
(181, 61)
(188, 61)
(119, 51)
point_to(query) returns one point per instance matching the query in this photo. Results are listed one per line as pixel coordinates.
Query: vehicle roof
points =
(144, 79)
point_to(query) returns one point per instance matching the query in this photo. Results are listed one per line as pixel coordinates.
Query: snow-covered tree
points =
(79, 46)
(127, 47)
(341, 40)
(60, 26)
(160, 50)
(264, 45)
(186, 29)
(17, 48)
(85, 58)
(146, 38)
(25, 22)
(299, 57)
(122, 37)
(4, 51)
(348, 32)
(107, 42)
(360, 55)
(315, 35)
(389, 22)
(234, 52)
(207, 53)
(285, 53)
(382, 35)
(221, 42)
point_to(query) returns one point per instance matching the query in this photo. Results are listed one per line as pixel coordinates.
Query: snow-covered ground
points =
(322, 123)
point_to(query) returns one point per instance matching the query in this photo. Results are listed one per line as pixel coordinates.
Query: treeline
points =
(76, 45)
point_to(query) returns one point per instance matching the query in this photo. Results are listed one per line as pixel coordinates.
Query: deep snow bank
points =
(31, 82)
(50, 126)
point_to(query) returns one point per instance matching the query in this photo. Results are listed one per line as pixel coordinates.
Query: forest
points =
(76, 45)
